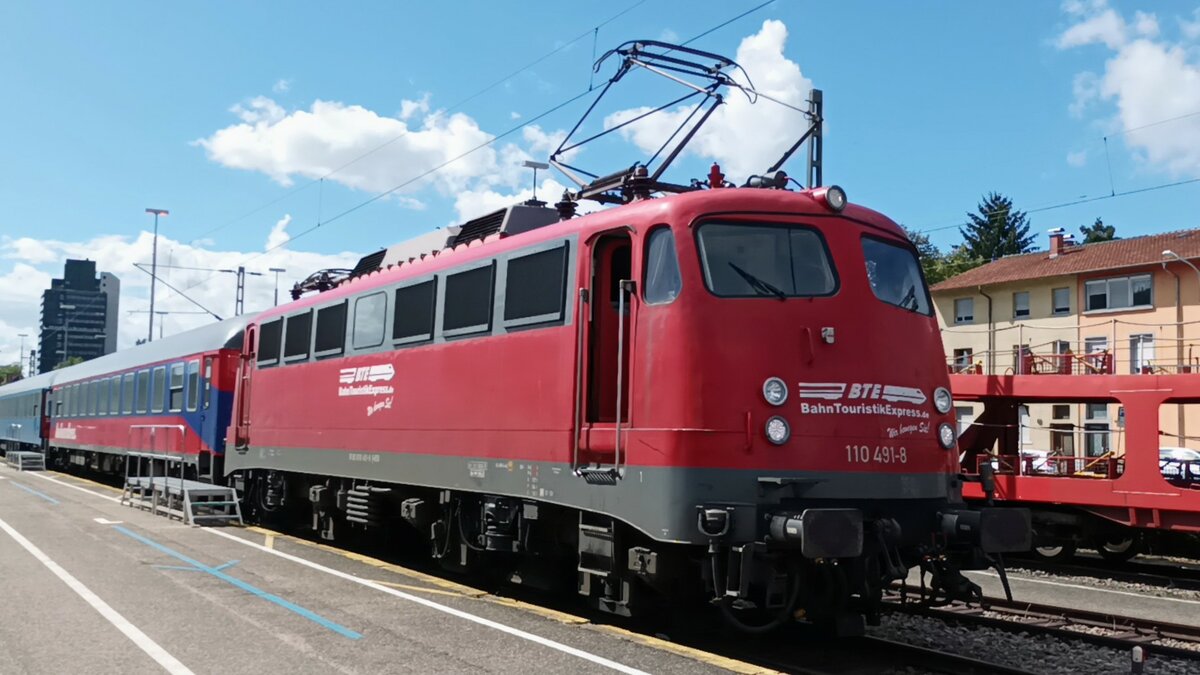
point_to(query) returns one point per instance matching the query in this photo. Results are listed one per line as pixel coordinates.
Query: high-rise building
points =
(79, 315)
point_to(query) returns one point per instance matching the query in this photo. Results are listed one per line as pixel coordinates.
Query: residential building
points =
(79, 315)
(1122, 306)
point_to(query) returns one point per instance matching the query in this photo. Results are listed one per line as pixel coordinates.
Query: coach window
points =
(663, 282)
(143, 391)
(468, 302)
(127, 393)
(193, 385)
(370, 314)
(297, 337)
(533, 289)
(176, 397)
(208, 375)
(114, 395)
(269, 339)
(58, 403)
(102, 394)
(412, 320)
(93, 397)
(158, 389)
(331, 330)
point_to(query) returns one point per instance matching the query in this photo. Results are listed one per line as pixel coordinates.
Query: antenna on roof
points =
(530, 164)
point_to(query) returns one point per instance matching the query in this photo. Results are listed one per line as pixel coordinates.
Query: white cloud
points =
(1077, 159)
(1191, 29)
(24, 280)
(514, 115)
(409, 108)
(311, 143)
(744, 138)
(281, 86)
(474, 203)
(668, 35)
(279, 236)
(1147, 80)
(1105, 27)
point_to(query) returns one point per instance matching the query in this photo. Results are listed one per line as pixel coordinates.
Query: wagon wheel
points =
(1117, 549)
(1059, 552)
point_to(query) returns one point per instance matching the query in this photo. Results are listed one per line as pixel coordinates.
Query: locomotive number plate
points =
(879, 454)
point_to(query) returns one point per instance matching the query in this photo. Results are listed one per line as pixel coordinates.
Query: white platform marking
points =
(106, 521)
(152, 648)
(1091, 589)
(516, 632)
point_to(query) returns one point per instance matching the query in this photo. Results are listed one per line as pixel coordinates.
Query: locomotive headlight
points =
(834, 196)
(942, 400)
(778, 431)
(775, 391)
(946, 435)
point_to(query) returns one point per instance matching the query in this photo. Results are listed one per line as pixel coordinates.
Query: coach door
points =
(605, 325)
(245, 368)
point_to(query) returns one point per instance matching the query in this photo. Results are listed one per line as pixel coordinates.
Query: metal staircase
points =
(152, 483)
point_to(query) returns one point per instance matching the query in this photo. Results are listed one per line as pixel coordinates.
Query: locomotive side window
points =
(895, 276)
(270, 336)
(468, 307)
(127, 393)
(413, 319)
(331, 330)
(743, 260)
(298, 336)
(663, 282)
(193, 385)
(370, 313)
(176, 398)
(533, 291)
(158, 389)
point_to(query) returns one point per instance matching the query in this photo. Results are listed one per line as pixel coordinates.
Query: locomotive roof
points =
(684, 207)
(222, 334)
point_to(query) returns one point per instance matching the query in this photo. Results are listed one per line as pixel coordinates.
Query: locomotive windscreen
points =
(747, 260)
(895, 275)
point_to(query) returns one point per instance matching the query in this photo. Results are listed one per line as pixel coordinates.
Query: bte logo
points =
(381, 373)
(861, 391)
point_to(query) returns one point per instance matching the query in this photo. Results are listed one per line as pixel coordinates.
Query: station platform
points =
(92, 586)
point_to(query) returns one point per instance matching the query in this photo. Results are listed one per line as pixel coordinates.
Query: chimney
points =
(1056, 241)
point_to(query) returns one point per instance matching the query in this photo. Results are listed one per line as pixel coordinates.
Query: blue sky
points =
(218, 109)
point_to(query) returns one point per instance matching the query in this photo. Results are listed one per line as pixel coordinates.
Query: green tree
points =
(997, 230)
(10, 372)
(73, 361)
(1098, 231)
(939, 266)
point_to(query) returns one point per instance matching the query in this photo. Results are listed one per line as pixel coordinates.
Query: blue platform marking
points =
(216, 572)
(35, 493)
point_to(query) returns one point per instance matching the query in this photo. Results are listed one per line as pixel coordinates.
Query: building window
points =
(962, 359)
(964, 310)
(1021, 305)
(1141, 353)
(370, 312)
(1119, 293)
(1097, 411)
(964, 417)
(1061, 301)
(1060, 411)
(412, 320)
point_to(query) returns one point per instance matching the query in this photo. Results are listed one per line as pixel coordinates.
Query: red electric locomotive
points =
(725, 393)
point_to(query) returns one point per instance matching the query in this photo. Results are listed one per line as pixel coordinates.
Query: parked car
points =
(1179, 463)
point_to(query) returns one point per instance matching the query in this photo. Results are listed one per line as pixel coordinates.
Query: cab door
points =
(606, 323)
(242, 396)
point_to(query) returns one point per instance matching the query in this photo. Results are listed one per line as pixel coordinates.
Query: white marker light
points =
(946, 435)
(942, 400)
(778, 431)
(775, 391)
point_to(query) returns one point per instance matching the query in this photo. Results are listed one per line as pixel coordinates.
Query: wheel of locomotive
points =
(1059, 552)
(1117, 549)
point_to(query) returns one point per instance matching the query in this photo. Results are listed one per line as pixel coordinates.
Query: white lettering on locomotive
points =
(378, 373)
(860, 398)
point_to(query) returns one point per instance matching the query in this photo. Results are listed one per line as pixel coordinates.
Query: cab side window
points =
(663, 282)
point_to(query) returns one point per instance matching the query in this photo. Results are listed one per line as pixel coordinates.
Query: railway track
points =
(869, 655)
(1173, 575)
(1102, 629)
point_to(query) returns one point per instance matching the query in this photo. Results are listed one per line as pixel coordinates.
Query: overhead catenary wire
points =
(470, 151)
(594, 31)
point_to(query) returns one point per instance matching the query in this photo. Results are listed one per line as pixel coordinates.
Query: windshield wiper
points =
(910, 297)
(757, 284)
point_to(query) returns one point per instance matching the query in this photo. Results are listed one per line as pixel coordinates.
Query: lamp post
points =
(21, 360)
(276, 270)
(154, 269)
